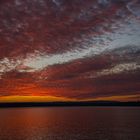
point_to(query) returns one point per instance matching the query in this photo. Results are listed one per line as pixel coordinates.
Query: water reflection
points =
(70, 123)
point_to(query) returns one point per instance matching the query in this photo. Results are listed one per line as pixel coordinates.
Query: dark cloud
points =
(89, 56)
(51, 26)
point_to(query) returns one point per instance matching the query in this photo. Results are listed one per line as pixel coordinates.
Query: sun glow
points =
(10, 99)
(33, 99)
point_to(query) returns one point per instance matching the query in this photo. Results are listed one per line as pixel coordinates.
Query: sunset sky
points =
(69, 50)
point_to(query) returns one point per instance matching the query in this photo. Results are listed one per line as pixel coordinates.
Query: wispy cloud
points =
(70, 49)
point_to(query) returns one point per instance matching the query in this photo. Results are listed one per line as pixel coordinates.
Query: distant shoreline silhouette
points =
(69, 104)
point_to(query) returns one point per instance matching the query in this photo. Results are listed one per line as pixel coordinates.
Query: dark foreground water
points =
(70, 123)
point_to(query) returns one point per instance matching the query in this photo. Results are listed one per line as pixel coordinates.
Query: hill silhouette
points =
(69, 104)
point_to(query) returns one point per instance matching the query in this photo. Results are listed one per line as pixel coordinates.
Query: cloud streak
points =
(80, 50)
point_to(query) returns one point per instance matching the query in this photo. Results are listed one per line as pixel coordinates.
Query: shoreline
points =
(68, 104)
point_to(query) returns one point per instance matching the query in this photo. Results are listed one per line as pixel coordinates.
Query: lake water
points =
(70, 123)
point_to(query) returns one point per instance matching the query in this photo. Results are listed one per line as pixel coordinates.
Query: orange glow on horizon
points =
(33, 99)
(4, 99)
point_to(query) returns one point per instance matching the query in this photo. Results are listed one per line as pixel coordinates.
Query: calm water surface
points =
(70, 123)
